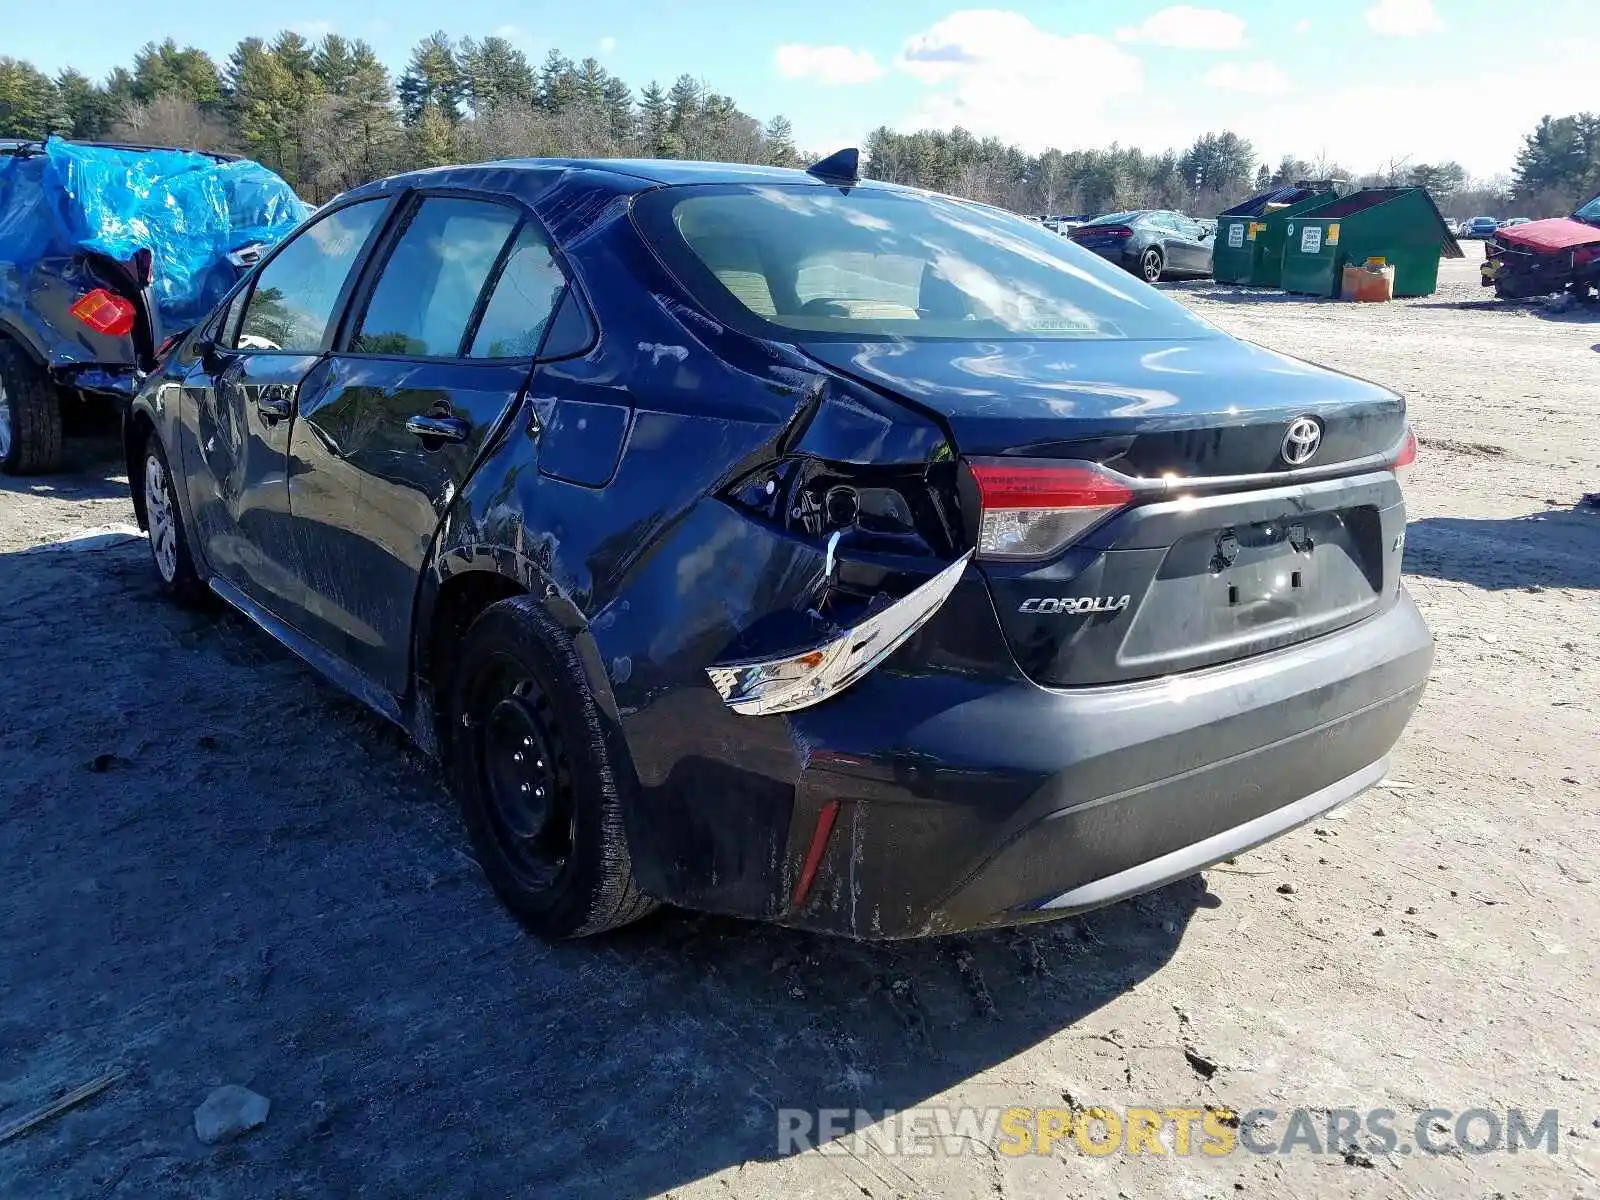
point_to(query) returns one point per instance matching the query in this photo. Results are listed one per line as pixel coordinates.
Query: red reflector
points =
(105, 313)
(1001, 486)
(819, 843)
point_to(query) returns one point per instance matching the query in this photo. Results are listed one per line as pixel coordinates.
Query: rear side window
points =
(524, 296)
(293, 299)
(808, 263)
(429, 288)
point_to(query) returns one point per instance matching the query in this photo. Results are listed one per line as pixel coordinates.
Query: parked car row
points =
(1484, 227)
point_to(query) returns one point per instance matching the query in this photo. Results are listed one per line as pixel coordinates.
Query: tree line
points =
(329, 115)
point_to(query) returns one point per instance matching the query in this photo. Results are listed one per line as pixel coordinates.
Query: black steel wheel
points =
(538, 774)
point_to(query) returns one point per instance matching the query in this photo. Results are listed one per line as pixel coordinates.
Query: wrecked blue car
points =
(105, 251)
(790, 545)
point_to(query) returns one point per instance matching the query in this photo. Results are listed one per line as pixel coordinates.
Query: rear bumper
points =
(965, 807)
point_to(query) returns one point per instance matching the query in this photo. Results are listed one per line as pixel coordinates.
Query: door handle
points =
(275, 400)
(441, 429)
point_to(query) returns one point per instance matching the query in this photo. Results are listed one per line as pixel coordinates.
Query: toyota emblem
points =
(1301, 442)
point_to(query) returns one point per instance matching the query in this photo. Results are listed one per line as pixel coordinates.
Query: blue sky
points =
(1361, 83)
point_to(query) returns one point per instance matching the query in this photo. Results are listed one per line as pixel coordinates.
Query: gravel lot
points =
(219, 871)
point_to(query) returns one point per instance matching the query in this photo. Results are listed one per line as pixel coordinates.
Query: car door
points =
(241, 398)
(436, 352)
(1184, 251)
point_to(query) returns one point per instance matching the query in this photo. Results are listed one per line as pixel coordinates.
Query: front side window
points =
(874, 264)
(425, 297)
(524, 296)
(295, 294)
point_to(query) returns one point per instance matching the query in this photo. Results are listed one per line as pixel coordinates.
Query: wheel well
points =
(461, 598)
(10, 334)
(136, 430)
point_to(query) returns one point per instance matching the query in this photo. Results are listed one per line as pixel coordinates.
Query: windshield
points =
(1590, 212)
(874, 265)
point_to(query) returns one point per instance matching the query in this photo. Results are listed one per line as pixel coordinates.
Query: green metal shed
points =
(1249, 243)
(1402, 226)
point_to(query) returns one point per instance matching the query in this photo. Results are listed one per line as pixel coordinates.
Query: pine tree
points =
(683, 102)
(29, 104)
(494, 73)
(334, 64)
(558, 82)
(86, 109)
(778, 141)
(432, 141)
(655, 120)
(433, 77)
(164, 69)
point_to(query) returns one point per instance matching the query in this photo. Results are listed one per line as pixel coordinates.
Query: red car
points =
(1541, 257)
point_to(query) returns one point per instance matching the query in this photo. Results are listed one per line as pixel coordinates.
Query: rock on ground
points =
(229, 1112)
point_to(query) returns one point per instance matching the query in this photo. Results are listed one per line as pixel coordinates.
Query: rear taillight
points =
(1035, 510)
(1407, 458)
(1103, 231)
(105, 312)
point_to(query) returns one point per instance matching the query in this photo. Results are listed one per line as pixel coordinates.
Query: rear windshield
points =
(871, 265)
(1590, 212)
(1122, 218)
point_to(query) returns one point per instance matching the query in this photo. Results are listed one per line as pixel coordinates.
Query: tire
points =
(30, 415)
(1151, 264)
(169, 540)
(547, 827)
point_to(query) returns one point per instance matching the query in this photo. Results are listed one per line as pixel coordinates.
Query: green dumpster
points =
(1402, 226)
(1249, 243)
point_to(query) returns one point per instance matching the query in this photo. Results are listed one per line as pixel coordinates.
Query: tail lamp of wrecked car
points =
(1025, 512)
(105, 312)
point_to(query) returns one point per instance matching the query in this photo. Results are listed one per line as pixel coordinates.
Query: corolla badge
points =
(1301, 442)
(1075, 604)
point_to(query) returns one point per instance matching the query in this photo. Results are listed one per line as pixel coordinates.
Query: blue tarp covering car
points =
(189, 209)
(105, 250)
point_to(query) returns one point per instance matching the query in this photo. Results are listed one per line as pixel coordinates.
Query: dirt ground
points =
(216, 870)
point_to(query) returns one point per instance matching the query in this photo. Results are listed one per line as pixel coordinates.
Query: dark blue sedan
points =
(785, 544)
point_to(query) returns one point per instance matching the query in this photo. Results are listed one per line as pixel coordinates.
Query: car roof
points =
(672, 171)
(30, 145)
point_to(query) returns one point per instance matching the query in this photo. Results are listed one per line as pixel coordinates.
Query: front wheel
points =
(1151, 265)
(169, 541)
(538, 775)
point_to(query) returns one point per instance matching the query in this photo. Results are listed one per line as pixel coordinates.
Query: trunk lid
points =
(1196, 407)
(1242, 553)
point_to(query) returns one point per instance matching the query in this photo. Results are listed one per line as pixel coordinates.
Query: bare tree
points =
(172, 120)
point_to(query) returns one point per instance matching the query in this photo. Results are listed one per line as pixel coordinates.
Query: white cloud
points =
(313, 30)
(827, 64)
(995, 72)
(1303, 25)
(1255, 78)
(607, 45)
(1362, 127)
(1188, 28)
(1404, 18)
